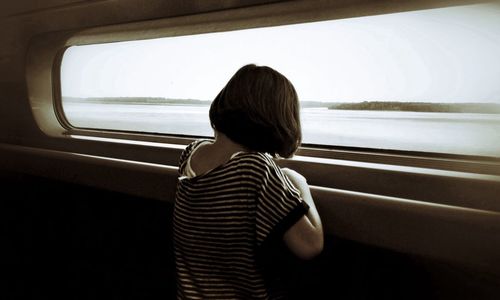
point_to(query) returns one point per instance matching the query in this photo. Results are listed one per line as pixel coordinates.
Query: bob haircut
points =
(259, 109)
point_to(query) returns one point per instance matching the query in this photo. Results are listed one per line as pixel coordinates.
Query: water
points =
(457, 133)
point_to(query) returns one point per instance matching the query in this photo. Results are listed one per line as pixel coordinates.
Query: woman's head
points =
(259, 109)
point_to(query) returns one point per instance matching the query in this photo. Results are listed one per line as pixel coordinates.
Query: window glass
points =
(420, 81)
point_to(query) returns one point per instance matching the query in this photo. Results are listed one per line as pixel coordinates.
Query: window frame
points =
(55, 123)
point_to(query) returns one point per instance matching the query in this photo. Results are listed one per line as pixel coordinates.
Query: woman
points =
(234, 206)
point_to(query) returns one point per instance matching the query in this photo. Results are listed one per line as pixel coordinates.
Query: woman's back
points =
(223, 220)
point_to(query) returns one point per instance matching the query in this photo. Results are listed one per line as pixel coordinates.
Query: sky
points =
(440, 55)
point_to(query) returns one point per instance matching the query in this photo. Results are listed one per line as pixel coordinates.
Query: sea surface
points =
(457, 133)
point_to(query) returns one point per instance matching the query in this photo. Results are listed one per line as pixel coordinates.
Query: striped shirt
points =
(224, 222)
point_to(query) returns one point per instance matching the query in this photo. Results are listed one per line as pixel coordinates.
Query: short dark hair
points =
(259, 109)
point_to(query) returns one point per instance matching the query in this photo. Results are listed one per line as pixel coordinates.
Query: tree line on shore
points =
(420, 107)
(492, 108)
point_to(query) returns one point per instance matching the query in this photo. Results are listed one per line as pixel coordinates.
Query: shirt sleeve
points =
(185, 154)
(279, 205)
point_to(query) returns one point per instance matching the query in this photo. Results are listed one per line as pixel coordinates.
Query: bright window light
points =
(419, 81)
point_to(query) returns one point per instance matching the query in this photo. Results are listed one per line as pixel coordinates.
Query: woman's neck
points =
(226, 145)
(209, 156)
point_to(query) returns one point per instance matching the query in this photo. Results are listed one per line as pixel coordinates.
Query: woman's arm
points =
(304, 238)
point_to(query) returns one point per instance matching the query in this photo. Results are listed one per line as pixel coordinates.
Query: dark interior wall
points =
(76, 242)
(61, 239)
(81, 243)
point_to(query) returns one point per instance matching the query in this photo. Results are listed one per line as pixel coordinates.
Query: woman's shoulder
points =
(189, 148)
(196, 143)
(259, 160)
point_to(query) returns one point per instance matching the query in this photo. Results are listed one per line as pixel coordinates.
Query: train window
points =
(419, 81)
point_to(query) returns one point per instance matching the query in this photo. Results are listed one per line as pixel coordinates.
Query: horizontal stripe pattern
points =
(222, 218)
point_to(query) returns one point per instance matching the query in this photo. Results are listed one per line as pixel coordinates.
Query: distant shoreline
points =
(137, 101)
(488, 108)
